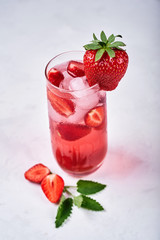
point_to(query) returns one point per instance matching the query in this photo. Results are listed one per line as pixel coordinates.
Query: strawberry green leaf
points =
(117, 44)
(87, 187)
(99, 54)
(92, 46)
(94, 37)
(64, 211)
(111, 38)
(103, 37)
(110, 52)
(77, 200)
(104, 44)
(119, 36)
(96, 41)
(91, 204)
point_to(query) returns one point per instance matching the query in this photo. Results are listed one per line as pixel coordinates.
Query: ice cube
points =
(78, 85)
(88, 102)
(66, 82)
(86, 98)
(78, 115)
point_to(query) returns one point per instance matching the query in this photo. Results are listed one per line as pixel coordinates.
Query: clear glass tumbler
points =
(79, 142)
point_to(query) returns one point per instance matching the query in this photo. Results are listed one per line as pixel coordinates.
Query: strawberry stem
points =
(104, 45)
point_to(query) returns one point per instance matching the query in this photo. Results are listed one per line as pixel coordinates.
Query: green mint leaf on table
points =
(89, 187)
(64, 211)
(91, 204)
(77, 200)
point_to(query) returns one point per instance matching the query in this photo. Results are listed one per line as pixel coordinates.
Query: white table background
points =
(31, 33)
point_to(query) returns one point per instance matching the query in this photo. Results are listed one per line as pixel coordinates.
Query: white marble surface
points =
(32, 32)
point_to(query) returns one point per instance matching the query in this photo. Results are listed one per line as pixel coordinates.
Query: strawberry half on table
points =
(37, 173)
(52, 186)
(105, 62)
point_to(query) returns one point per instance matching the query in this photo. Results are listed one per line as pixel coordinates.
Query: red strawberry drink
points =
(76, 88)
(77, 115)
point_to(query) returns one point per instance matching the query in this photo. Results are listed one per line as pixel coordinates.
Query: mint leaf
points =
(99, 54)
(77, 200)
(64, 211)
(103, 37)
(89, 187)
(91, 204)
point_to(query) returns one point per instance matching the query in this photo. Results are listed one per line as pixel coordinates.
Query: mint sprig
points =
(85, 187)
(64, 211)
(89, 187)
(105, 45)
(77, 200)
(91, 204)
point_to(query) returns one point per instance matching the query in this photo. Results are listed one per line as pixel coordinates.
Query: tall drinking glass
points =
(77, 118)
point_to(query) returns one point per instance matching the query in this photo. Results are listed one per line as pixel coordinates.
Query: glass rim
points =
(66, 90)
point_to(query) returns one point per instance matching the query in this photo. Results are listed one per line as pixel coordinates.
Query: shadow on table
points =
(120, 163)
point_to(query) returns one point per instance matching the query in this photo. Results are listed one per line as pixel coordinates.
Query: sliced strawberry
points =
(72, 132)
(61, 105)
(37, 173)
(75, 69)
(95, 117)
(55, 76)
(52, 186)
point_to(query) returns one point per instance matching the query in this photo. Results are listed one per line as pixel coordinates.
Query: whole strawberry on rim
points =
(105, 62)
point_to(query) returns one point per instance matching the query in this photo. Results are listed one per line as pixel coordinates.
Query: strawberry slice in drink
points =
(75, 69)
(61, 105)
(52, 186)
(72, 132)
(95, 117)
(55, 76)
(37, 173)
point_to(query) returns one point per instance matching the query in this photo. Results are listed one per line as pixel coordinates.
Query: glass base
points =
(82, 173)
